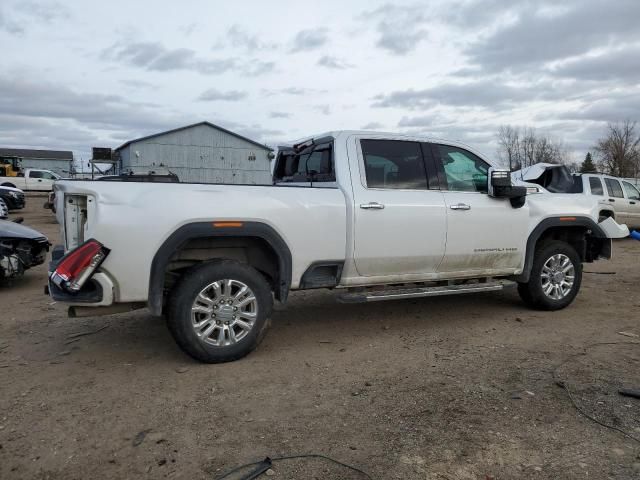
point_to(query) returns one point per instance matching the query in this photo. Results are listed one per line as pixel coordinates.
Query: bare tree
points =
(619, 151)
(509, 145)
(525, 147)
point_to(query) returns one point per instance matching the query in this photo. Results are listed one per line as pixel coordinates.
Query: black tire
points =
(183, 296)
(532, 292)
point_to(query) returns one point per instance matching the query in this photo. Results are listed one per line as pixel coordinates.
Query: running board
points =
(400, 293)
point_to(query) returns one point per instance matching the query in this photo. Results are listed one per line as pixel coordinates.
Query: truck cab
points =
(31, 179)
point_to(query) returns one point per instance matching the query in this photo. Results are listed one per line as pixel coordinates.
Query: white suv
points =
(615, 195)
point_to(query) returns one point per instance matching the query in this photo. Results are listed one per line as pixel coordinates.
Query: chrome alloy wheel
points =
(558, 276)
(224, 312)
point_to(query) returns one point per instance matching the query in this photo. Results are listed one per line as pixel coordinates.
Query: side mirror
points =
(500, 186)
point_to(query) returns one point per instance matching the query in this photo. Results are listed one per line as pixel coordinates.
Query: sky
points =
(77, 74)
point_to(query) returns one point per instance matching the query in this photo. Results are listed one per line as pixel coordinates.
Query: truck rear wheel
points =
(219, 312)
(556, 275)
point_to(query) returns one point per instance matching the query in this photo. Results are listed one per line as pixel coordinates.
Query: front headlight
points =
(13, 194)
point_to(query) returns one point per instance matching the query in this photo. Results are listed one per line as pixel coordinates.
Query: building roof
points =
(191, 126)
(37, 154)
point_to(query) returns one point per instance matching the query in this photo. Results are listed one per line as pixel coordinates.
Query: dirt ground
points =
(450, 388)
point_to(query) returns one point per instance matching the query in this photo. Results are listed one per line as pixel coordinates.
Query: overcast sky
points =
(77, 74)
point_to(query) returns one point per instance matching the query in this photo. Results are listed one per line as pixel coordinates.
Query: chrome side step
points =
(400, 293)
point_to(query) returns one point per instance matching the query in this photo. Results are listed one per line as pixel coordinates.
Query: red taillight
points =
(77, 266)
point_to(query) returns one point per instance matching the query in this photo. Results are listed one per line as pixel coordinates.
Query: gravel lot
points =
(440, 388)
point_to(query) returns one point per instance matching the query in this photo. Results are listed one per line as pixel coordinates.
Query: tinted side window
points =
(614, 188)
(463, 171)
(394, 164)
(632, 192)
(596, 186)
(35, 174)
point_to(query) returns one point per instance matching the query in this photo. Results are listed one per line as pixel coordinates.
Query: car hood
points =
(16, 230)
(551, 177)
(10, 189)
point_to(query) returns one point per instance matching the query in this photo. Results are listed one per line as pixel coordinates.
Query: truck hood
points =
(15, 230)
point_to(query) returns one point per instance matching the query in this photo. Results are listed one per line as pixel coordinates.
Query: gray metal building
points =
(202, 152)
(60, 162)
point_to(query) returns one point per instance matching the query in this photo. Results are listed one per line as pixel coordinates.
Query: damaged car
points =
(21, 248)
(13, 197)
(617, 197)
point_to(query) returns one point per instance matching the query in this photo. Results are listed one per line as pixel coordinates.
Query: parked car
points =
(13, 197)
(21, 248)
(31, 179)
(617, 197)
(4, 210)
(374, 216)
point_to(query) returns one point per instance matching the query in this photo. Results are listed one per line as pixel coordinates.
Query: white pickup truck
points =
(32, 180)
(374, 216)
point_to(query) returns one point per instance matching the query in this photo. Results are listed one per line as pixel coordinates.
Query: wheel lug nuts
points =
(235, 309)
(233, 317)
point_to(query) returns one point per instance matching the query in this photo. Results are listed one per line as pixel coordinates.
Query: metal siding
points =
(61, 167)
(201, 154)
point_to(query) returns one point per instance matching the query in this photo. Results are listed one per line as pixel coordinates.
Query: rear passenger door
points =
(485, 235)
(616, 199)
(400, 220)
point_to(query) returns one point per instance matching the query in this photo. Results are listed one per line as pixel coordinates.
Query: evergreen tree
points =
(588, 166)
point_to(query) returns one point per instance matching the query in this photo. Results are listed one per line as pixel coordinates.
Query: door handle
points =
(611, 200)
(632, 203)
(460, 206)
(372, 206)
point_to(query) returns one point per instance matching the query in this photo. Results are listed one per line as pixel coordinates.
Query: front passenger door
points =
(633, 209)
(485, 235)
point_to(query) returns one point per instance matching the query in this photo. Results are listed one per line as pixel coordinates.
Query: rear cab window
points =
(614, 188)
(595, 185)
(306, 164)
(394, 164)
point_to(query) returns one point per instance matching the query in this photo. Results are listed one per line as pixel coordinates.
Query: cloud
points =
(138, 84)
(608, 106)
(323, 109)
(310, 39)
(620, 64)
(258, 67)
(213, 95)
(153, 56)
(372, 126)
(420, 121)
(9, 25)
(538, 35)
(332, 62)
(279, 115)
(294, 91)
(238, 37)
(44, 12)
(487, 92)
(400, 28)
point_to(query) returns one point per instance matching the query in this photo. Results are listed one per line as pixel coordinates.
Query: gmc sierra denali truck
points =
(373, 216)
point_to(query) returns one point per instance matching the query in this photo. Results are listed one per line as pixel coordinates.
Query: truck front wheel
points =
(220, 311)
(556, 275)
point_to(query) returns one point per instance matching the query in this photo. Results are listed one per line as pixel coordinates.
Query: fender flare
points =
(195, 230)
(546, 224)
